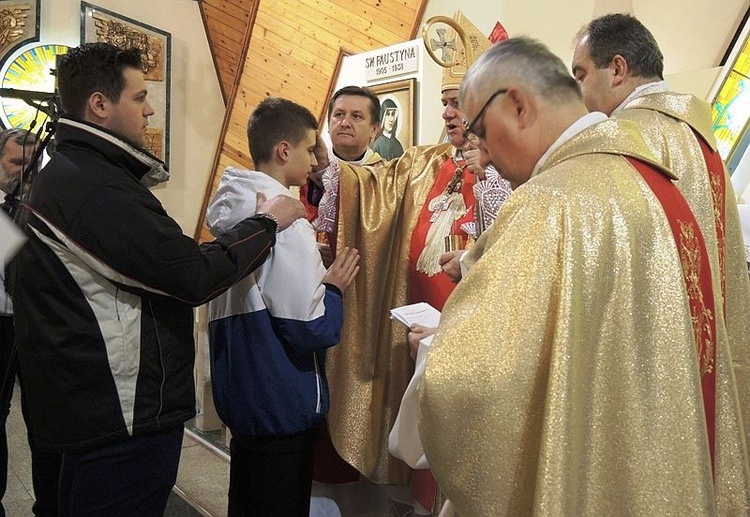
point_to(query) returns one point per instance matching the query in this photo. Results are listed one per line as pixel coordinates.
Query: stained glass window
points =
(31, 70)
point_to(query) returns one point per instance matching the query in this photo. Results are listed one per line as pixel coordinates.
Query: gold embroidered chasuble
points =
(564, 377)
(670, 123)
(369, 370)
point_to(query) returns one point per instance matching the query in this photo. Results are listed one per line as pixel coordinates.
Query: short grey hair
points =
(520, 60)
(20, 136)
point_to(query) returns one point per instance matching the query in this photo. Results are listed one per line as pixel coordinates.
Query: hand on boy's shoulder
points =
(283, 209)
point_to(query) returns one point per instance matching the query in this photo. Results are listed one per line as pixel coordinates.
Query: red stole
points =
(696, 271)
(436, 289)
(717, 179)
(311, 208)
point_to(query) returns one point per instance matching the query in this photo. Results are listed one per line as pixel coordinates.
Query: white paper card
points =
(421, 313)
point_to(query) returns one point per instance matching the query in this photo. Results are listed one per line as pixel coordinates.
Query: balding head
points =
(523, 61)
(519, 98)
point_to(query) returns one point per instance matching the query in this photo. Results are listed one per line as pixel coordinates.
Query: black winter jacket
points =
(103, 293)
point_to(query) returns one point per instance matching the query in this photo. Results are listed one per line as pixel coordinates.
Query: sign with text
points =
(392, 62)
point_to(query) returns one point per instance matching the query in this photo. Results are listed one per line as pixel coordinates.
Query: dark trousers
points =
(271, 476)
(45, 465)
(125, 479)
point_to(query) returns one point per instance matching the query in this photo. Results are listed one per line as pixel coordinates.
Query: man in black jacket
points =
(104, 323)
(16, 150)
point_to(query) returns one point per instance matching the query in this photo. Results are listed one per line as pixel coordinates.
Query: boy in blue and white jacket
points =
(268, 333)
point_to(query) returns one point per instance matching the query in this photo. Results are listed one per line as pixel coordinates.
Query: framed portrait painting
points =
(98, 24)
(397, 128)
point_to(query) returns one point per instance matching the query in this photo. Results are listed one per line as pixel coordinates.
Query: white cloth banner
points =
(11, 238)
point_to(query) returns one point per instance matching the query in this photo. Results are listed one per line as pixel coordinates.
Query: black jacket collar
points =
(148, 169)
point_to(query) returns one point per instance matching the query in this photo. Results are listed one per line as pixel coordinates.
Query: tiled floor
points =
(201, 486)
(202, 478)
(18, 495)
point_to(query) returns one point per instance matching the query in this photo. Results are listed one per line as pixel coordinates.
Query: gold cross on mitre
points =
(459, 42)
(446, 47)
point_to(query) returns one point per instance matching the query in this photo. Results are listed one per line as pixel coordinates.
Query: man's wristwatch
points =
(269, 216)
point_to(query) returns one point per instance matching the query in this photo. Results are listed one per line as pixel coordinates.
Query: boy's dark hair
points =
(93, 67)
(625, 35)
(274, 120)
(358, 91)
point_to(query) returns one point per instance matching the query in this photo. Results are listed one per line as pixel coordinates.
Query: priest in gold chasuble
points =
(377, 214)
(578, 363)
(397, 214)
(369, 372)
(620, 69)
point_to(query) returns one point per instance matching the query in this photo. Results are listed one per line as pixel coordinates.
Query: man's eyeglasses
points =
(470, 127)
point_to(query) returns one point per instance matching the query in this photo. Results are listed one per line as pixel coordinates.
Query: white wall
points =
(692, 34)
(197, 109)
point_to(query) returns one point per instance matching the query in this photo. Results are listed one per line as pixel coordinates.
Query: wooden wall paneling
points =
(275, 80)
(220, 27)
(228, 25)
(228, 62)
(315, 28)
(409, 13)
(210, 36)
(237, 139)
(293, 72)
(225, 36)
(331, 15)
(237, 127)
(236, 149)
(233, 17)
(404, 10)
(397, 21)
(227, 69)
(276, 36)
(297, 59)
(236, 155)
(220, 35)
